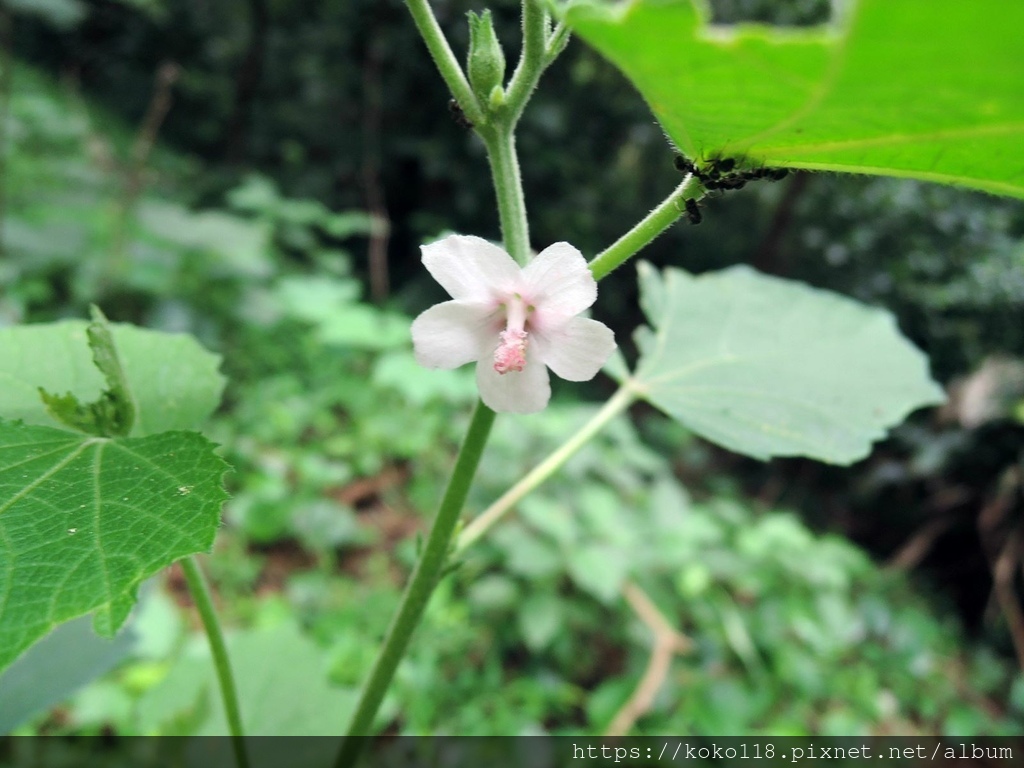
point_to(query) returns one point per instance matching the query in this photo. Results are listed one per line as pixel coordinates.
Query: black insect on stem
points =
(732, 182)
(685, 165)
(458, 115)
(719, 167)
(693, 212)
(721, 173)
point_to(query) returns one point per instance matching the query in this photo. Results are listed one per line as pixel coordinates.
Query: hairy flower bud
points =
(486, 63)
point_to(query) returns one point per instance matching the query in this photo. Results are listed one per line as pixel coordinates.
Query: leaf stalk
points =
(652, 225)
(201, 596)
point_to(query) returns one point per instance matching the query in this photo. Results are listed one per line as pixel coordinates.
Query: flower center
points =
(511, 352)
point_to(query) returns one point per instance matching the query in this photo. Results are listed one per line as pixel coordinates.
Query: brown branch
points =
(1003, 572)
(667, 643)
(916, 548)
(767, 257)
(159, 105)
(134, 173)
(380, 232)
(6, 88)
(247, 81)
(1004, 555)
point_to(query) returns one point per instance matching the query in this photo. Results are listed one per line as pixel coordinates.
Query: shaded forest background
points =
(335, 101)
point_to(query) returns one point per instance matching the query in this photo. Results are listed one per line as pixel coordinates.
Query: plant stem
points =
(556, 43)
(445, 60)
(618, 403)
(532, 60)
(652, 225)
(422, 582)
(508, 186)
(499, 138)
(200, 591)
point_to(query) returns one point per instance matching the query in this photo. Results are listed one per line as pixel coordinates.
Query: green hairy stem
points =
(421, 584)
(200, 592)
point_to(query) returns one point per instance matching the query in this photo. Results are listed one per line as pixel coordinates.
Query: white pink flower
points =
(514, 322)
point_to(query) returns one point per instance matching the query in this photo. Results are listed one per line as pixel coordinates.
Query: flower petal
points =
(558, 282)
(576, 350)
(452, 334)
(470, 268)
(526, 391)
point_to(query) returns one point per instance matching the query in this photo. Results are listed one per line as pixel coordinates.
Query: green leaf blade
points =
(85, 519)
(769, 367)
(926, 89)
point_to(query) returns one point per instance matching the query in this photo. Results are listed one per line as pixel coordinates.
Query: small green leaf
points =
(540, 617)
(172, 381)
(282, 687)
(770, 367)
(113, 414)
(84, 520)
(599, 569)
(929, 89)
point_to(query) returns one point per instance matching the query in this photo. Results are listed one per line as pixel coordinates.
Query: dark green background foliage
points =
(246, 226)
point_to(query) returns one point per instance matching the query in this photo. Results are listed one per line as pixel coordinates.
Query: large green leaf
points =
(174, 381)
(84, 519)
(929, 89)
(770, 367)
(54, 668)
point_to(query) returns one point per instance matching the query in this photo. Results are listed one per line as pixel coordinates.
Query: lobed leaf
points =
(85, 519)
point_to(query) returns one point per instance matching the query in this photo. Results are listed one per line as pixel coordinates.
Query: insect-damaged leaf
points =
(171, 380)
(927, 89)
(113, 414)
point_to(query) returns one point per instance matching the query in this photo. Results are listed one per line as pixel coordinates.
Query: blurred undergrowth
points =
(338, 438)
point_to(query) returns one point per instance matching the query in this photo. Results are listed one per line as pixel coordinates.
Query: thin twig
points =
(380, 231)
(159, 105)
(135, 172)
(915, 549)
(1004, 556)
(767, 257)
(247, 82)
(939, 506)
(667, 643)
(6, 89)
(1003, 572)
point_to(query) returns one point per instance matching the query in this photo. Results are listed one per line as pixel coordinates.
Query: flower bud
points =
(486, 64)
(496, 99)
